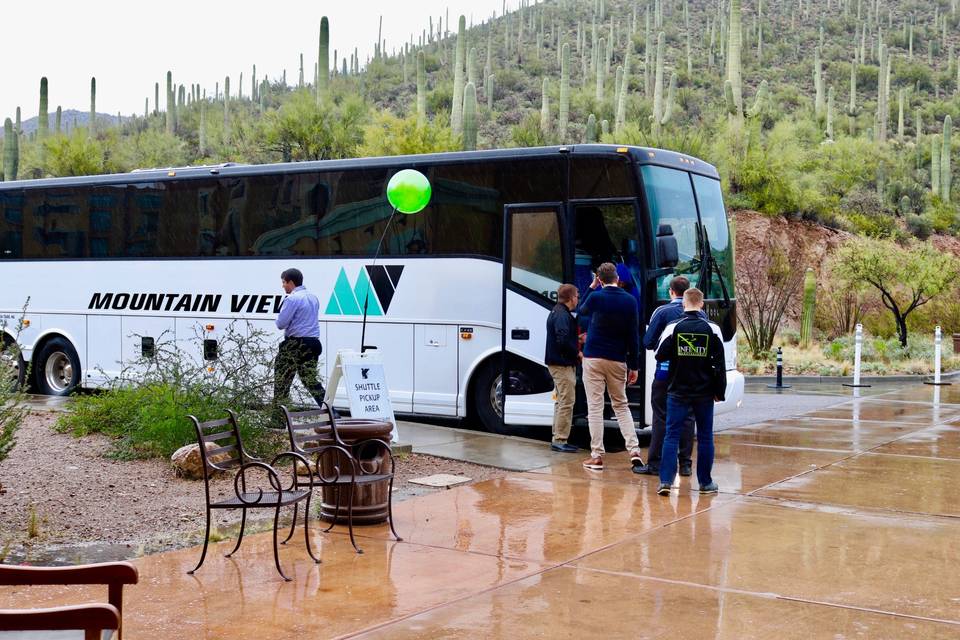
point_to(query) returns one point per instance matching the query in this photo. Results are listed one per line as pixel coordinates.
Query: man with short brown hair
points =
(562, 356)
(611, 358)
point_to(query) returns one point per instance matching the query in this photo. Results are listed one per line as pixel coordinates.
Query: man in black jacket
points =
(562, 356)
(662, 316)
(694, 348)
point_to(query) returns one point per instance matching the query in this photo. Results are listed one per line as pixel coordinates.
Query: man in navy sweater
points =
(662, 316)
(611, 358)
(694, 348)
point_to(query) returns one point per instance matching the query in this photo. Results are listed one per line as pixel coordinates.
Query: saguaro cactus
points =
(591, 130)
(809, 307)
(226, 109)
(545, 108)
(92, 126)
(734, 74)
(11, 151)
(170, 113)
(203, 129)
(945, 175)
(658, 86)
(323, 60)
(935, 164)
(421, 89)
(599, 69)
(43, 123)
(830, 114)
(472, 71)
(818, 103)
(564, 93)
(470, 117)
(59, 120)
(456, 115)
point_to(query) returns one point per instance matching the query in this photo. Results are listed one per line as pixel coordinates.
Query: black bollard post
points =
(779, 384)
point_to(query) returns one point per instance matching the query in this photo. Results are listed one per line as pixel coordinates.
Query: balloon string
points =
(366, 297)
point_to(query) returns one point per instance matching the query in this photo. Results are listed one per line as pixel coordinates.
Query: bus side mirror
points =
(667, 251)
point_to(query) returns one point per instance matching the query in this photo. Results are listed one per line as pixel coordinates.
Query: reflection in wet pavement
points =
(840, 523)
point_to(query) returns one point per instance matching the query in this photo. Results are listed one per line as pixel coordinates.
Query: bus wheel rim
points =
(58, 371)
(496, 395)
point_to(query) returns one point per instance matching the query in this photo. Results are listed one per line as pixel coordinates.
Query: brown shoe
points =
(594, 464)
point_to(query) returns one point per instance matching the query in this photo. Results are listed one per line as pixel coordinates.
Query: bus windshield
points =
(673, 197)
(671, 202)
(713, 217)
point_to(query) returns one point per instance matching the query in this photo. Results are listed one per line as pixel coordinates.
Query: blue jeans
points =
(677, 412)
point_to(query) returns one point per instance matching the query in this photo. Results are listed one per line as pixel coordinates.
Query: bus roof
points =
(639, 155)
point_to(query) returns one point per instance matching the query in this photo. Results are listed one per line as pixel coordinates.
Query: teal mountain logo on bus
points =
(347, 300)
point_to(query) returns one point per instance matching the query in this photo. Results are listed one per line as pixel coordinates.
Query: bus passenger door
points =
(533, 269)
(606, 230)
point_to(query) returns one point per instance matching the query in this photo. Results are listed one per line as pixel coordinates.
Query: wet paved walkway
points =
(841, 523)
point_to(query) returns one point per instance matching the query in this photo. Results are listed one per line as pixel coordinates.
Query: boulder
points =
(187, 463)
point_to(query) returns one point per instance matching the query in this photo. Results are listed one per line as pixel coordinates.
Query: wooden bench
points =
(94, 621)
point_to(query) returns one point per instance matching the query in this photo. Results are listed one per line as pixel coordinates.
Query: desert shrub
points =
(145, 410)
(528, 132)
(920, 226)
(942, 216)
(12, 407)
(389, 135)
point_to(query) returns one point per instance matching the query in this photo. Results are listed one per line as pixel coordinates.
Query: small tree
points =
(766, 283)
(906, 277)
(302, 130)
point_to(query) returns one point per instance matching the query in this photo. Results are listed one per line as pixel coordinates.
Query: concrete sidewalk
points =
(839, 523)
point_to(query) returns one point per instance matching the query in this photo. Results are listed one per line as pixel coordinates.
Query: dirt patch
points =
(75, 497)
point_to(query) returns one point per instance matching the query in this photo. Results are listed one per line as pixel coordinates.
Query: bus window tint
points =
(11, 225)
(601, 177)
(670, 199)
(713, 215)
(536, 257)
(55, 222)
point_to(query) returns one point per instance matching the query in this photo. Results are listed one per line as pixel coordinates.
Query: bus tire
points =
(487, 403)
(9, 353)
(56, 368)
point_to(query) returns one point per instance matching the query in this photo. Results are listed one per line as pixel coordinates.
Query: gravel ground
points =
(87, 507)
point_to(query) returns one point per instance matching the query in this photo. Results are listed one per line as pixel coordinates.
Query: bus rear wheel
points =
(57, 368)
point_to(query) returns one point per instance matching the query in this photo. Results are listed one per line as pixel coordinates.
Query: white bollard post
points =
(937, 340)
(937, 352)
(857, 350)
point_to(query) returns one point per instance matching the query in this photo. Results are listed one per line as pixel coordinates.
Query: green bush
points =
(145, 411)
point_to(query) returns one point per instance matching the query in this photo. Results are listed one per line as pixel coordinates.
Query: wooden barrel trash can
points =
(370, 500)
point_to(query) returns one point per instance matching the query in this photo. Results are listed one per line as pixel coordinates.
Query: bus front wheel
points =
(57, 368)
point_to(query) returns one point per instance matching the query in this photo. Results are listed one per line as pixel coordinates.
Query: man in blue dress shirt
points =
(301, 348)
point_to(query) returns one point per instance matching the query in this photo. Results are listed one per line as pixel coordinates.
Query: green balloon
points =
(409, 191)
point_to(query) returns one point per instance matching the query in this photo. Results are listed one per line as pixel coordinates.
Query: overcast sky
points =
(129, 46)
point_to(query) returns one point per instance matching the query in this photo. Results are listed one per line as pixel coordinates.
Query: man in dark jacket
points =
(562, 357)
(694, 348)
(662, 316)
(611, 360)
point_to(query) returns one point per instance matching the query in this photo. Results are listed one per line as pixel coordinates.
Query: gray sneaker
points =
(663, 489)
(709, 489)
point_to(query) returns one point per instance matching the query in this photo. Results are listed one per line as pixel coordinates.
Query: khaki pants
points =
(600, 374)
(565, 380)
